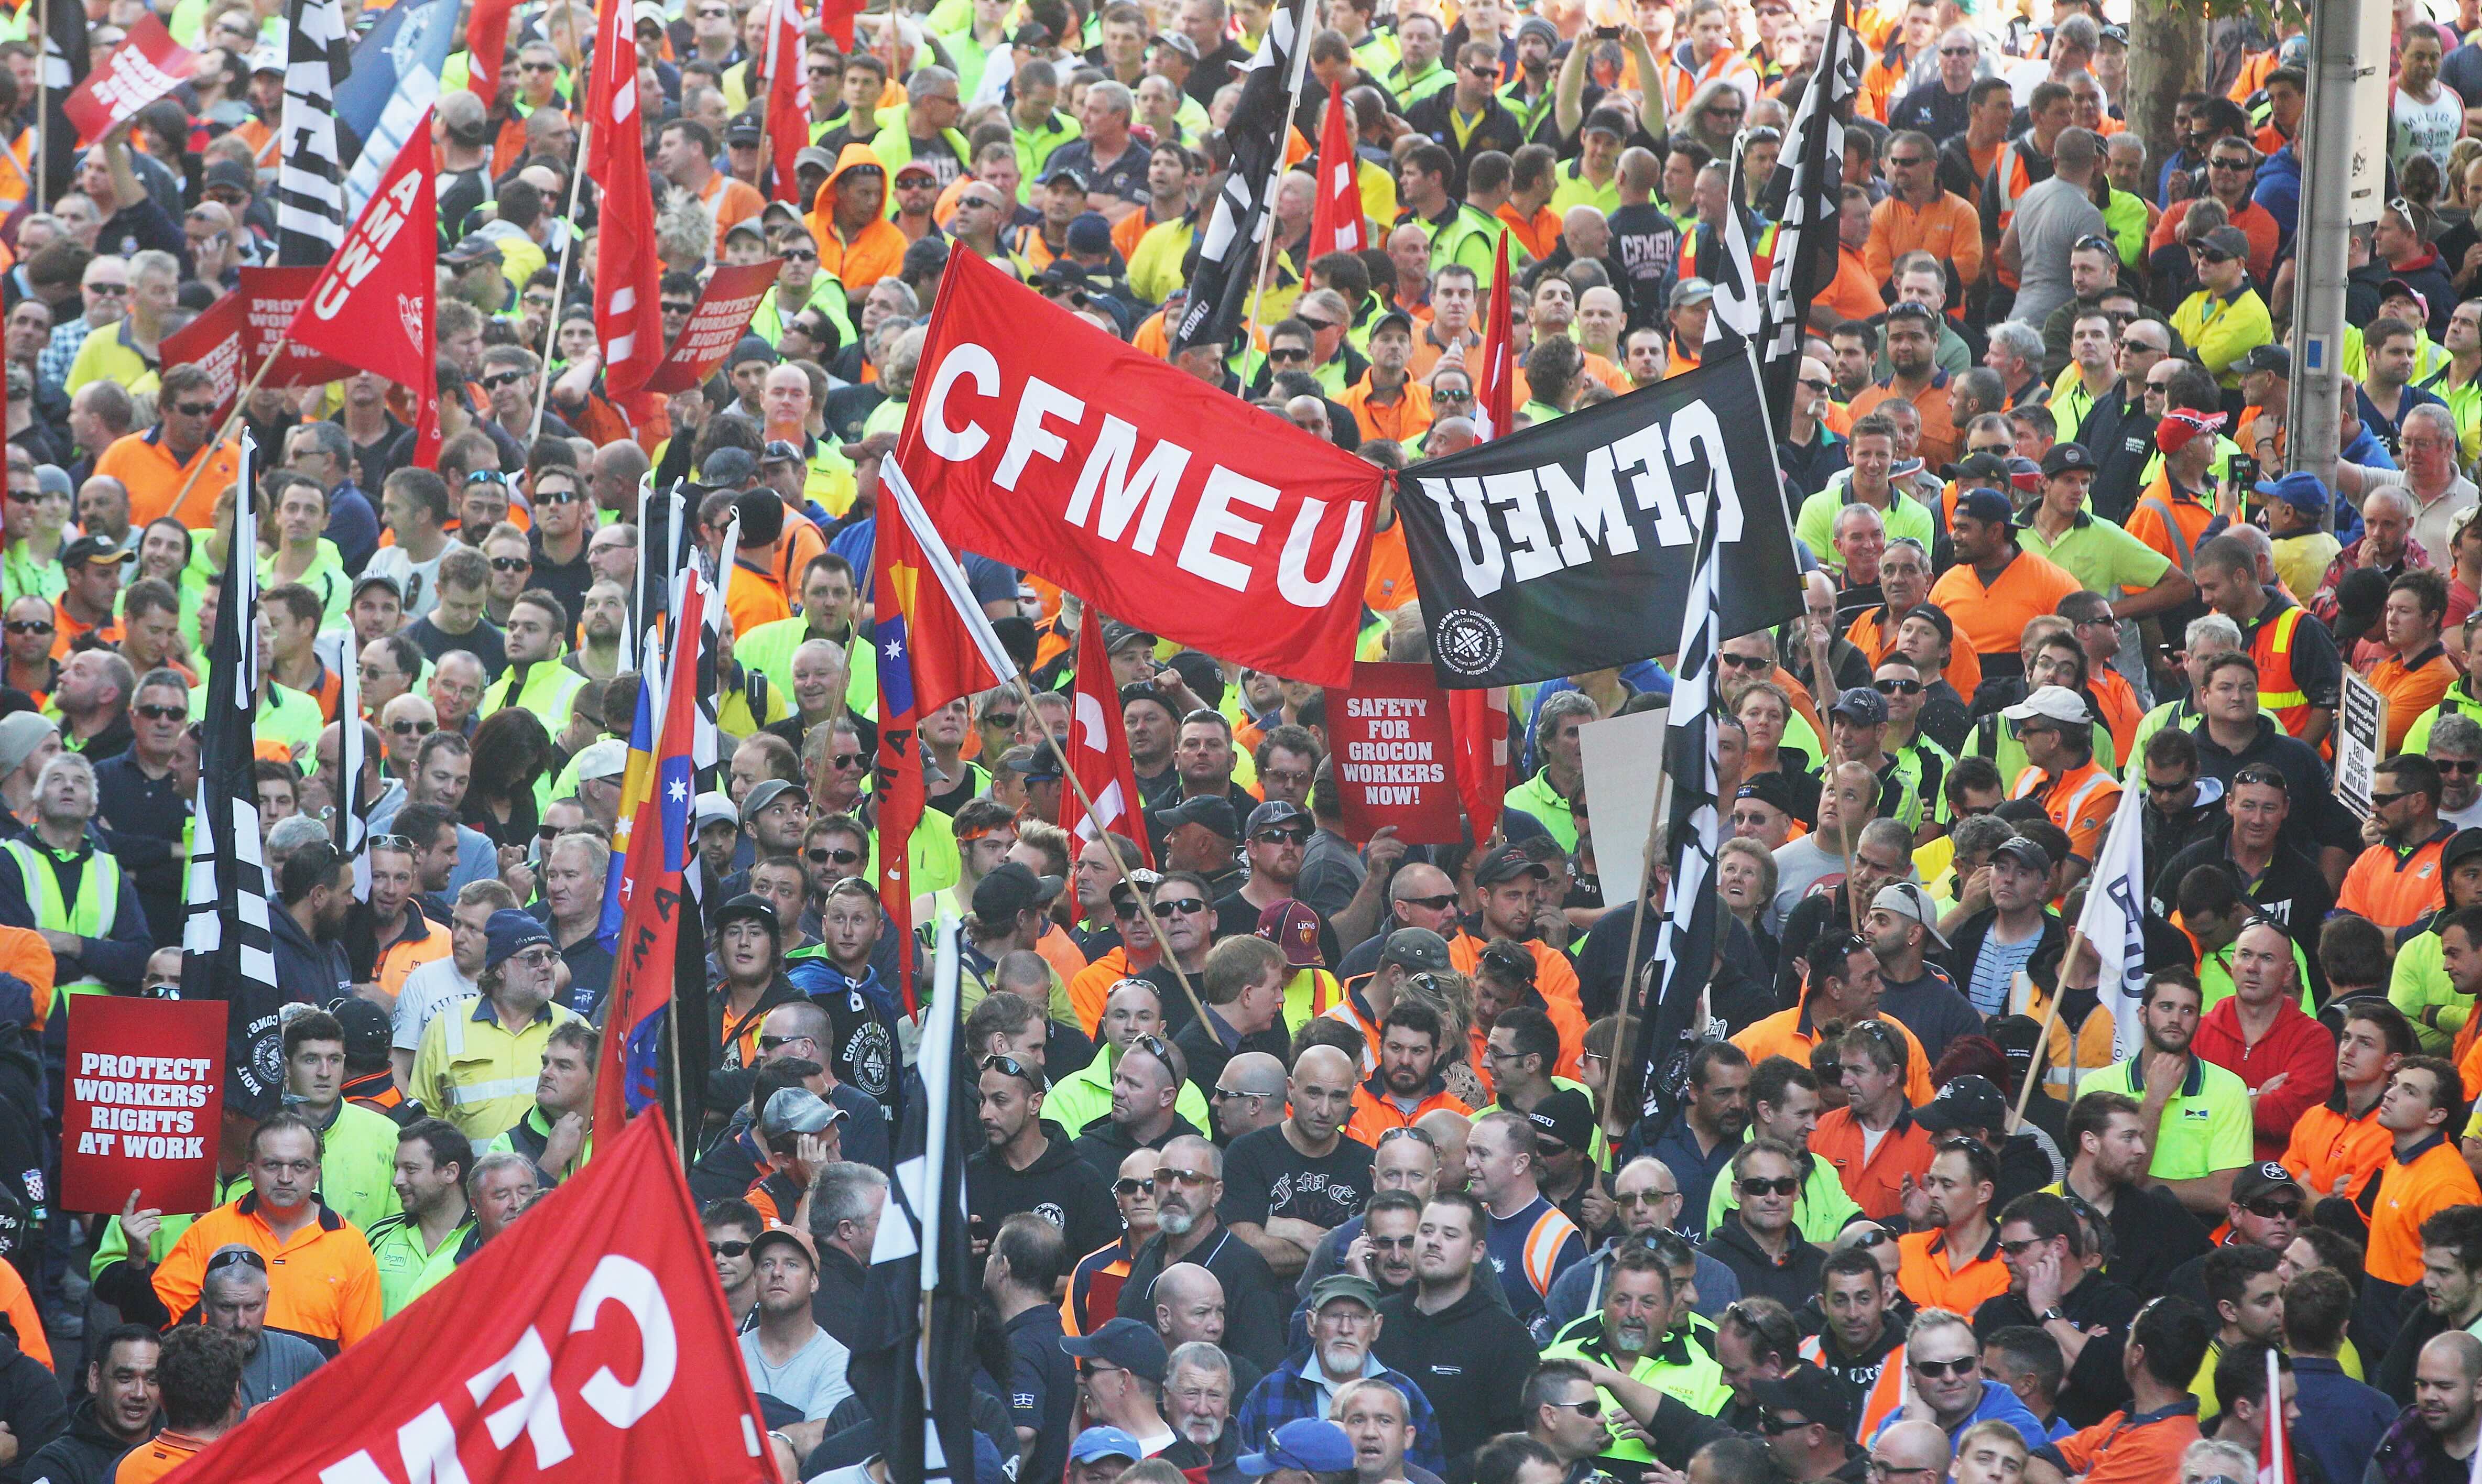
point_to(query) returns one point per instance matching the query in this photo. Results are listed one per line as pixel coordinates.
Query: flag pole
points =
(42, 111)
(2043, 1042)
(240, 404)
(560, 290)
(1301, 60)
(1146, 909)
(1612, 1124)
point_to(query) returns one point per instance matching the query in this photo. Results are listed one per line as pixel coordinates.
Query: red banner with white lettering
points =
(1038, 439)
(1337, 223)
(144, 67)
(241, 329)
(586, 1341)
(717, 325)
(1389, 744)
(371, 306)
(144, 1103)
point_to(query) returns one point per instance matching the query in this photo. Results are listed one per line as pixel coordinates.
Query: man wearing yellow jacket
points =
(2226, 318)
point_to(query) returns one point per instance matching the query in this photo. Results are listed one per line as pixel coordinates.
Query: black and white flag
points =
(1723, 259)
(1227, 252)
(1804, 198)
(350, 816)
(228, 939)
(310, 214)
(1675, 986)
(66, 64)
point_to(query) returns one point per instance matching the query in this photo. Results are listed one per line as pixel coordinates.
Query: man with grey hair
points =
(926, 133)
(1552, 793)
(233, 1297)
(501, 1187)
(1188, 1185)
(1197, 1400)
(90, 915)
(2016, 357)
(846, 1201)
(1112, 163)
(2455, 745)
(2432, 472)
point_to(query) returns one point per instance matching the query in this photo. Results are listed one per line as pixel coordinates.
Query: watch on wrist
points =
(2053, 1316)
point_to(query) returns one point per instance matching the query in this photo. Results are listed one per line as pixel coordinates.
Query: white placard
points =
(1624, 761)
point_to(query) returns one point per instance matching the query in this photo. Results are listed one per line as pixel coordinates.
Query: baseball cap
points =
(2230, 240)
(369, 581)
(1012, 887)
(1138, 879)
(1059, 175)
(1691, 290)
(744, 130)
(1179, 42)
(509, 932)
(787, 1236)
(1118, 636)
(1988, 506)
(96, 551)
(1507, 863)
(1421, 949)
(2065, 458)
(2301, 489)
(1905, 899)
(2017, 1036)
(1205, 809)
(714, 808)
(1309, 1445)
(607, 759)
(366, 1029)
(1861, 706)
(1395, 318)
(2024, 474)
(734, 468)
(1275, 815)
(2024, 852)
(2253, 1181)
(1089, 232)
(799, 1110)
(766, 792)
(1565, 1118)
(1810, 1392)
(1774, 790)
(813, 154)
(2461, 845)
(1122, 1342)
(751, 906)
(1030, 762)
(1098, 1443)
(1966, 1101)
(2396, 288)
(2269, 356)
(471, 249)
(746, 226)
(1606, 121)
(2050, 704)
(1295, 929)
(1336, 1286)
(2183, 424)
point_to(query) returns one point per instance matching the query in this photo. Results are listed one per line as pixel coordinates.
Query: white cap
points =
(714, 808)
(606, 758)
(2052, 703)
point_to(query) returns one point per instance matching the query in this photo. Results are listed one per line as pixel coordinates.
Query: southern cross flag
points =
(934, 644)
(658, 789)
(310, 173)
(395, 82)
(228, 939)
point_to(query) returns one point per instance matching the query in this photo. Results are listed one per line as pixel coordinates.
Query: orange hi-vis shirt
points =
(2411, 687)
(1875, 1180)
(1948, 230)
(2410, 1192)
(2080, 801)
(1404, 420)
(1092, 986)
(19, 1305)
(1355, 1011)
(1928, 1274)
(1789, 1033)
(1390, 585)
(2394, 887)
(1992, 616)
(156, 1457)
(322, 1283)
(2121, 710)
(1375, 1113)
(2125, 1449)
(1940, 440)
(1555, 979)
(146, 470)
(2329, 1144)
(1872, 634)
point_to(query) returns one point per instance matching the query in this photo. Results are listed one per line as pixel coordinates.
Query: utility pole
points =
(2342, 146)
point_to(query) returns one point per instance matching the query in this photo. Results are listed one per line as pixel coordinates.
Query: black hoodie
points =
(1103, 1144)
(29, 1404)
(1058, 1186)
(1470, 1360)
(84, 1454)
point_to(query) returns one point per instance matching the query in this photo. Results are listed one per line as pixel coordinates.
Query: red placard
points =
(144, 67)
(716, 326)
(232, 336)
(1391, 746)
(1038, 439)
(591, 1342)
(145, 1102)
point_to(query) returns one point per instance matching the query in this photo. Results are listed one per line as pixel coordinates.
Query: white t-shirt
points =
(2429, 128)
(429, 987)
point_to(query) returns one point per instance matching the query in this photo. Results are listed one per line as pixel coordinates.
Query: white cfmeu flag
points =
(2114, 920)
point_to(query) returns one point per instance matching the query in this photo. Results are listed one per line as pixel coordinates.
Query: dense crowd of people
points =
(1299, 1153)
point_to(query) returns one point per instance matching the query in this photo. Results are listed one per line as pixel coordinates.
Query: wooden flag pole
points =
(560, 289)
(241, 403)
(42, 106)
(1614, 1125)
(2042, 1044)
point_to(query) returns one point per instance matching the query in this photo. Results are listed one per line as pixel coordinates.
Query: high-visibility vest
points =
(2278, 691)
(99, 901)
(2014, 179)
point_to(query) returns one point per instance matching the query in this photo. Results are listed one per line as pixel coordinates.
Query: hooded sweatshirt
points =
(1470, 1360)
(84, 1454)
(873, 252)
(1058, 1186)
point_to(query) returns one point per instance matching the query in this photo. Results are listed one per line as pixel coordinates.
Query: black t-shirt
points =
(566, 580)
(483, 641)
(1645, 249)
(1265, 1176)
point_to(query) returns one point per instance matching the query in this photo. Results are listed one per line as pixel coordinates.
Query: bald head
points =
(1322, 1064)
(1916, 1445)
(1255, 1073)
(1190, 1151)
(1184, 1282)
(2456, 1349)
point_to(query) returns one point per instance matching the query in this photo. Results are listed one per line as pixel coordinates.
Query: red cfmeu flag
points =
(1494, 380)
(1099, 748)
(788, 117)
(1478, 718)
(371, 307)
(658, 789)
(1337, 223)
(486, 39)
(934, 644)
(593, 1343)
(628, 319)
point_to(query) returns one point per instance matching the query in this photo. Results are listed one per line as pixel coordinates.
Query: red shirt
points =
(2296, 1046)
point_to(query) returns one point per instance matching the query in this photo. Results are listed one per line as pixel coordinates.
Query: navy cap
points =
(1988, 506)
(1124, 1342)
(509, 932)
(1309, 1445)
(1861, 706)
(2066, 458)
(2301, 489)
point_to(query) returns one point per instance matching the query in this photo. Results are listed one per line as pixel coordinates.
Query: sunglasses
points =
(1184, 905)
(2273, 1208)
(670, 307)
(163, 713)
(1451, 396)
(2377, 799)
(1776, 1425)
(107, 288)
(2458, 764)
(1010, 1066)
(834, 857)
(1294, 836)
(1956, 51)
(239, 1258)
(538, 67)
(2162, 789)
(848, 760)
(1896, 687)
(798, 254)
(2209, 255)
(196, 409)
(511, 564)
(559, 496)
(1747, 662)
(29, 626)
(1129, 1185)
(1962, 1365)
(2232, 164)
(1439, 903)
(727, 1248)
(1287, 354)
(1782, 1185)
(403, 728)
(499, 379)
(1126, 912)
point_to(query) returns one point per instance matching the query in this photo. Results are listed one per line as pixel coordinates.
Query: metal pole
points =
(2326, 148)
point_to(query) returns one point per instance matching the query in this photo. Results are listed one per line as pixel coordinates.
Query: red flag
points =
(658, 791)
(1478, 720)
(594, 1345)
(1337, 223)
(628, 320)
(2275, 1458)
(836, 18)
(1496, 379)
(1099, 748)
(486, 39)
(788, 117)
(371, 307)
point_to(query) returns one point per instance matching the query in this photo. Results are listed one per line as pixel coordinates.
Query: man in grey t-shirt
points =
(233, 1297)
(2052, 218)
(788, 1355)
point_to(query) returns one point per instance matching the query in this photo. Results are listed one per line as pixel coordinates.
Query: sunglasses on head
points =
(241, 1256)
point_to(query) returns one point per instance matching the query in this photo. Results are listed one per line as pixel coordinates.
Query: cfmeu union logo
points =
(1470, 643)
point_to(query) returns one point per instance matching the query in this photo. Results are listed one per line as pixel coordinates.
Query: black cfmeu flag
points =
(1807, 198)
(1569, 547)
